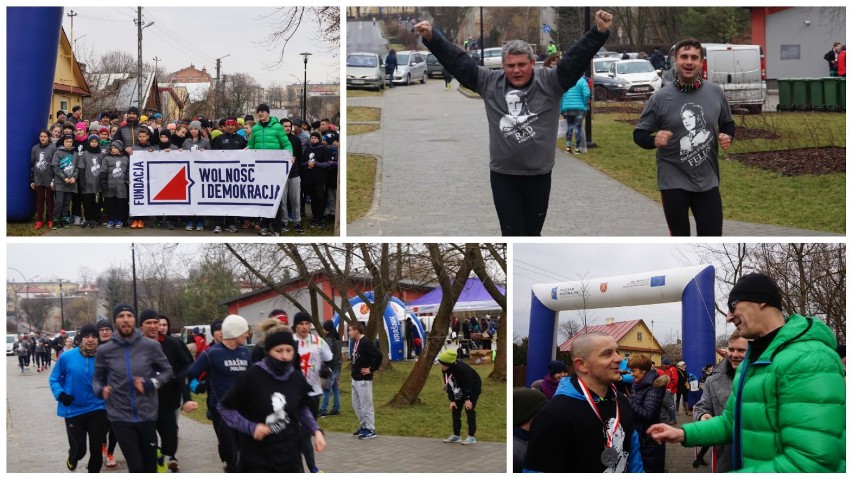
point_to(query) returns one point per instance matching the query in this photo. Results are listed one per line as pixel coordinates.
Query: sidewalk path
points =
(434, 177)
(36, 441)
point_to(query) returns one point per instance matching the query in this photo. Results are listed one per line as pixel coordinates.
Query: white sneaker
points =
(469, 440)
(453, 438)
(217, 229)
(77, 220)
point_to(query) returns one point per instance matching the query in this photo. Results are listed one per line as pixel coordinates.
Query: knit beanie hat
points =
(148, 314)
(756, 288)
(281, 337)
(525, 404)
(195, 124)
(328, 326)
(301, 317)
(121, 307)
(94, 126)
(118, 144)
(262, 107)
(233, 326)
(104, 324)
(133, 109)
(215, 326)
(88, 328)
(448, 356)
(556, 367)
(317, 134)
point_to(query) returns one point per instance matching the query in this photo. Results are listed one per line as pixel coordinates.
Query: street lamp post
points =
(61, 305)
(305, 89)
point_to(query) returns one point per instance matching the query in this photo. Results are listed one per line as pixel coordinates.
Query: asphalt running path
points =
(36, 441)
(434, 179)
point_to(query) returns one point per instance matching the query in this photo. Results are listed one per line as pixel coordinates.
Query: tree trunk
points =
(409, 392)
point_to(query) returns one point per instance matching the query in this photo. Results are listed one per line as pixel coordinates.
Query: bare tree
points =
(498, 372)
(286, 21)
(583, 313)
(37, 310)
(238, 94)
(79, 311)
(114, 284)
(447, 19)
(409, 392)
(568, 328)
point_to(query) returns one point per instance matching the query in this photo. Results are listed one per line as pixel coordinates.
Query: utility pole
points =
(224, 86)
(157, 61)
(139, 58)
(71, 14)
(140, 25)
(216, 95)
(61, 306)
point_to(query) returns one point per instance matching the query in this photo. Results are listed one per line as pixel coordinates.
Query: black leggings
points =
(89, 207)
(317, 194)
(307, 445)
(94, 425)
(471, 418)
(521, 202)
(138, 443)
(706, 207)
(167, 426)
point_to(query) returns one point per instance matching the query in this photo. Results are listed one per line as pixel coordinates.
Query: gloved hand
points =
(66, 399)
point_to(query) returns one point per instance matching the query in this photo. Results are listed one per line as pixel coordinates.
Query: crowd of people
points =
(80, 168)
(603, 418)
(127, 381)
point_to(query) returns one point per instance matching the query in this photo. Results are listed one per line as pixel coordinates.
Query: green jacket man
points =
(787, 411)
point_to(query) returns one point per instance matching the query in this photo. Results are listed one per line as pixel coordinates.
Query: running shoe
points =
(217, 229)
(71, 464)
(453, 438)
(110, 462)
(119, 225)
(469, 440)
(38, 225)
(173, 464)
(368, 434)
(135, 224)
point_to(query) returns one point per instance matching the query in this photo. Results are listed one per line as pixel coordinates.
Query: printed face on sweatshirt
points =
(696, 143)
(518, 124)
(279, 419)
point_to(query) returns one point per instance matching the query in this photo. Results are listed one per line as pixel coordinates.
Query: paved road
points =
(36, 441)
(433, 177)
(365, 37)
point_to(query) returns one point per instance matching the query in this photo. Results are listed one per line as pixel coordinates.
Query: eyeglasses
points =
(732, 305)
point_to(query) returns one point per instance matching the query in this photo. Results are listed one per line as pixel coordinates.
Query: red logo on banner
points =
(603, 287)
(364, 309)
(176, 189)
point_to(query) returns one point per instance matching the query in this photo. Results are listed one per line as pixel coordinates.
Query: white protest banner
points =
(208, 183)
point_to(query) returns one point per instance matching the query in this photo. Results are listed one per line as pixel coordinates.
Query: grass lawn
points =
(359, 93)
(816, 202)
(431, 418)
(360, 183)
(23, 229)
(363, 113)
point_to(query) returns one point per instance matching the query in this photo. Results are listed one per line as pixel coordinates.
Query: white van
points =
(739, 69)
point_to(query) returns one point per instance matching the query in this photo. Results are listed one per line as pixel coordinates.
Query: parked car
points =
(10, 342)
(739, 69)
(634, 78)
(433, 66)
(493, 58)
(365, 70)
(411, 65)
(604, 87)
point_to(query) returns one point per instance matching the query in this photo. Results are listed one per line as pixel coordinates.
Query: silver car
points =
(411, 65)
(365, 70)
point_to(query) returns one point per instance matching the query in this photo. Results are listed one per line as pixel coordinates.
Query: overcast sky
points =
(550, 263)
(53, 261)
(200, 34)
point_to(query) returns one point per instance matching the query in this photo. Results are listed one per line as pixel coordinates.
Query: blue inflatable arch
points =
(692, 286)
(394, 317)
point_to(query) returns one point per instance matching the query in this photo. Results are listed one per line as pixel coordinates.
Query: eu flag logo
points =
(658, 281)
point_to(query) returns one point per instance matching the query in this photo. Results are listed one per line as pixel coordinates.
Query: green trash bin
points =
(785, 94)
(841, 87)
(800, 94)
(816, 100)
(832, 93)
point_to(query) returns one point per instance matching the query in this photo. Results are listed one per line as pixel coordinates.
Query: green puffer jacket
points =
(271, 137)
(787, 412)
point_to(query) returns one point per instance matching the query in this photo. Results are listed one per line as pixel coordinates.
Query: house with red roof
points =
(633, 338)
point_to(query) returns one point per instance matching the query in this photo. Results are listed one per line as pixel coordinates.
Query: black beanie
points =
(281, 337)
(148, 314)
(757, 288)
(121, 307)
(526, 403)
(262, 107)
(88, 328)
(104, 324)
(301, 317)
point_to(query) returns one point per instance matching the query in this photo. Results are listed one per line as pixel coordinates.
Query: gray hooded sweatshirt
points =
(116, 169)
(522, 122)
(117, 362)
(64, 163)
